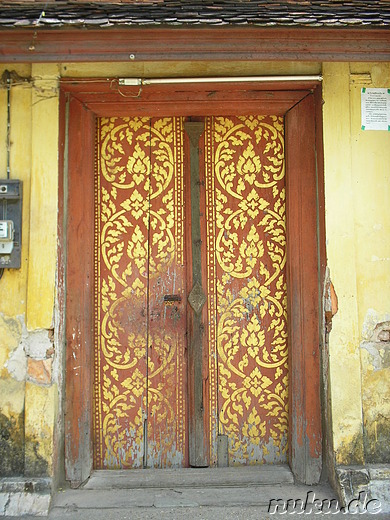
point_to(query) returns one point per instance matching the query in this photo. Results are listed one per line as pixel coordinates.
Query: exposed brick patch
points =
(39, 370)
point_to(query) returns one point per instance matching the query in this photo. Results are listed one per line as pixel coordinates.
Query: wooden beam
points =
(106, 98)
(195, 44)
(304, 219)
(79, 304)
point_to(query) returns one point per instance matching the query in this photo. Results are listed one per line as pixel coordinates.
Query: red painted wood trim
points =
(194, 44)
(306, 263)
(327, 441)
(79, 303)
(61, 293)
(303, 293)
(104, 99)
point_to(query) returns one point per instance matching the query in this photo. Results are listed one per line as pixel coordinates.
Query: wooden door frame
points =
(81, 101)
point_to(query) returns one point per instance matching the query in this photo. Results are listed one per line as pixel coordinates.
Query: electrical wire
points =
(13, 78)
(8, 79)
(117, 89)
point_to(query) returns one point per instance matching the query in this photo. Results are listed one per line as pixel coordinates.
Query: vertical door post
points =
(196, 299)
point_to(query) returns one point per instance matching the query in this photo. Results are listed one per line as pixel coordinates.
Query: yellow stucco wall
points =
(28, 394)
(44, 196)
(13, 285)
(358, 249)
(370, 164)
(14, 282)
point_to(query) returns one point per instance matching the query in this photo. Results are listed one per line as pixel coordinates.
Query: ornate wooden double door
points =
(190, 292)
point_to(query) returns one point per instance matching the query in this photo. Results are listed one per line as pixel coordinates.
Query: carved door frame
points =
(300, 104)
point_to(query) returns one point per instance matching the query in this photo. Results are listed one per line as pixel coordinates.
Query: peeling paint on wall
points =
(357, 190)
(10, 334)
(12, 390)
(36, 343)
(26, 398)
(17, 363)
(378, 346)
(32, 359)
(331, 303)
(375, 359)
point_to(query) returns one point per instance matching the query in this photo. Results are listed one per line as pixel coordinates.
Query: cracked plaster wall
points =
(27, 403)
(375, 356)
(28, 388)
(357, 191)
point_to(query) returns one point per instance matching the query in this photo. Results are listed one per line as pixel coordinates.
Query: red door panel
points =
(246, 244)
(140, 378)
(141, 394)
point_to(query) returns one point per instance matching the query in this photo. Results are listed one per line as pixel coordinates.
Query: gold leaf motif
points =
(248, 166)
(136, 383)
(138, 165)
(139, 181)
(256, 382)
(250, 290)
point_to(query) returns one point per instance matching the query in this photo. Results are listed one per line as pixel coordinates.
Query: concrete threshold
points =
(190, 477)
(176, 497)
(179, 489)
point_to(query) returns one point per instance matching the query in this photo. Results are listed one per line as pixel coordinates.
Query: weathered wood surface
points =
(107, 98)
(143, 44)
(198, 441)
(304, 301)
(79, 390)
(140, 365)
(79, 295)
(217, 503)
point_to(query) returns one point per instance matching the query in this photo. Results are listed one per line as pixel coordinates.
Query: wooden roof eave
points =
(195, 44)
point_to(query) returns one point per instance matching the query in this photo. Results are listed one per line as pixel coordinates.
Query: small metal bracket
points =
(197, 298)
(172, 298)
(129, 82)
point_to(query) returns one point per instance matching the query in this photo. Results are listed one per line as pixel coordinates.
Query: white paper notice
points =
(376, 109)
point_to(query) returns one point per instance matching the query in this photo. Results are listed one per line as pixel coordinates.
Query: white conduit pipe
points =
(236, 79)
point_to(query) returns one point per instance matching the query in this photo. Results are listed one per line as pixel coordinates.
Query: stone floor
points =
(201, 494)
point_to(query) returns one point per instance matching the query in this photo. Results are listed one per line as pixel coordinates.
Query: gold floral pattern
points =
(247, 288)
(139, 363)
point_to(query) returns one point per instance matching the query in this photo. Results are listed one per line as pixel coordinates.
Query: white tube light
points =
(236, 79)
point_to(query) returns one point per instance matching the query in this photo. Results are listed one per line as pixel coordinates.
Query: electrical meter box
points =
(10, 223)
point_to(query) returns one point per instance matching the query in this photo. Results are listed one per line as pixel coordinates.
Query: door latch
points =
(170, 299)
